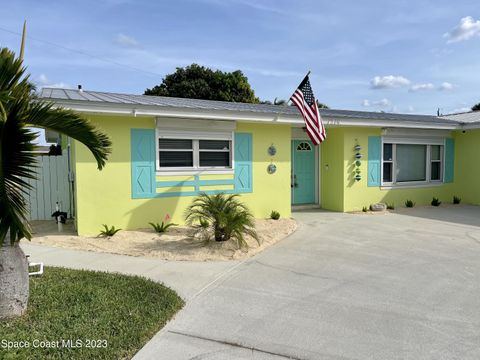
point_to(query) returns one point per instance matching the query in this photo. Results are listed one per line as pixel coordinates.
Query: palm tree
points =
(224, 215)
(19, 109)
(280, 102)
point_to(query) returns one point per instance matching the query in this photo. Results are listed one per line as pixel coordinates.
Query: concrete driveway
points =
(393, 286)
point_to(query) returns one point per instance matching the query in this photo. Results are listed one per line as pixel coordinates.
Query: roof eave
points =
(471, 126)
(228, 115)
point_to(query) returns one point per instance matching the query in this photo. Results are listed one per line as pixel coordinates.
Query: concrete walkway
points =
(187, 278)
(393, 286)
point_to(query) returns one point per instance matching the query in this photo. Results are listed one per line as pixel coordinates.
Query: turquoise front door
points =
(303, 172)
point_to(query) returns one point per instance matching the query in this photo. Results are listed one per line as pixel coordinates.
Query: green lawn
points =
(109, 316)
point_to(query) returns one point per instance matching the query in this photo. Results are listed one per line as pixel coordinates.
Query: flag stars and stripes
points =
(304, 100)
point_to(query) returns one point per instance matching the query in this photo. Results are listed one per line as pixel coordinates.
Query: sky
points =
(394, 56)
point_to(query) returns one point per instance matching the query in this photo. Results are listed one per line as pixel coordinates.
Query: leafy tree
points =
(199, 82)
(322, 105)
(20, 109)
(476, 107)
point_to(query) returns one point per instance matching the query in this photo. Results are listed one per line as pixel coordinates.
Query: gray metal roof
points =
(57, 94)
(467, 117)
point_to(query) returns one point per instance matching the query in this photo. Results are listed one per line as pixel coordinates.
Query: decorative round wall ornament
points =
(358, 177)
(358, 148)
(272, 150)
(271, 169)
(358, 163)
(358, 156)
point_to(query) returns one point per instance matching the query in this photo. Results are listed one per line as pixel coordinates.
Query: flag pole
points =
(22, 46)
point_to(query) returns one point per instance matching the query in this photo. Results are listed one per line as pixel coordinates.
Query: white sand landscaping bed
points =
(176, 244)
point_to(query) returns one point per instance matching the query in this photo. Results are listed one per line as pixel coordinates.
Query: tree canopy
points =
(199, 82)
(476, 107)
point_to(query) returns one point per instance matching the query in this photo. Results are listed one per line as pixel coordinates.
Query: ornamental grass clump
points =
(436, 202)
(223, 217)
(409, 203)
(108, 231)
(274, 215)
(163, 226)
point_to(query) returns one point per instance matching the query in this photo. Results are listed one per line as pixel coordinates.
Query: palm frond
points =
(18, 109)
(67, 122)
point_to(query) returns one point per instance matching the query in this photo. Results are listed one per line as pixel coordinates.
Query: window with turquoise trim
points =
(411, 163)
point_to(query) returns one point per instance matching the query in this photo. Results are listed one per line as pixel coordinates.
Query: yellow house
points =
(168, 150)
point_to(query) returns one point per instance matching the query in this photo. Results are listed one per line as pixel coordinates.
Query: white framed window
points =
(412, 162)
(194, 147)
(189, 152)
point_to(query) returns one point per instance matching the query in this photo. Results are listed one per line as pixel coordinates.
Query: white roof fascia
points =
(473, 125)
(195, 113)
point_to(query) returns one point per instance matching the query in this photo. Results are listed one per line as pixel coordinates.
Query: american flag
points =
(304, 100)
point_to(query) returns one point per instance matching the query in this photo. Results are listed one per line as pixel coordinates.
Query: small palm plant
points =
(456, 200)
(163, 226)
(108, 231)
(227, 217)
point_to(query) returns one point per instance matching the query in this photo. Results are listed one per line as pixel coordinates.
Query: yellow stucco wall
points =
(467, 171)
(104, 197)
(332, 171)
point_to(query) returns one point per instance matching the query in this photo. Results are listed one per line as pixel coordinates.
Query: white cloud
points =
(467, 29)
(389, 81)
(418, 87)
(45, 82)
(125, 40)
(382, 103)
(446, 86)
(43, 79)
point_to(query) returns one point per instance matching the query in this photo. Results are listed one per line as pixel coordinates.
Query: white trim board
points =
(244, 116)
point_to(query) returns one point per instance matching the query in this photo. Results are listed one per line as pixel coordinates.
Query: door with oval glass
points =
(303, 172)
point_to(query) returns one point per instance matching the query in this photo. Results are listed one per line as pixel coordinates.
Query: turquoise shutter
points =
(143, 163)
(449, 159)
(374, 160)
(243, 162)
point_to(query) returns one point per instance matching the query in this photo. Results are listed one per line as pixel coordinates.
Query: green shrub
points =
(162, 227)
(409, 203)
(365, 209)
(456, 200)
(436, 202)
(108, 232)
(275, 215)
(227, 217)
(391, 206)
